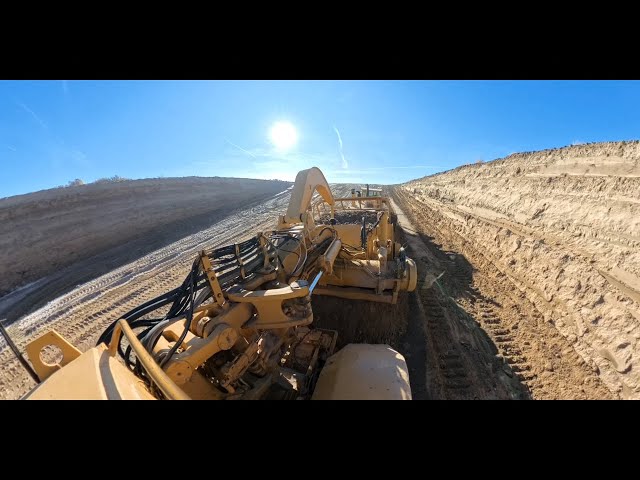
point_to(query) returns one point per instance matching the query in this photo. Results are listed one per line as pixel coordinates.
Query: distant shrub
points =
(75, 183)
(115, 178)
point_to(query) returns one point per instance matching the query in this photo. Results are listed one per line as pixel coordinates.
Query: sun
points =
(283, 135)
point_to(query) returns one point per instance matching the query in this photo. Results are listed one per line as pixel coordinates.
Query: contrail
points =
(345, 164)
(241, 149)
(34, 115)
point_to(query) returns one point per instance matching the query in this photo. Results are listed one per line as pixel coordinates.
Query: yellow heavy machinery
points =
(367, 191)
(241, 324)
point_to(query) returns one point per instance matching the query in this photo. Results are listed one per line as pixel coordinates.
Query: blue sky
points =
(392, 131)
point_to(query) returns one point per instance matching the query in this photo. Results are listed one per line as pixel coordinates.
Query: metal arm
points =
(307, 182)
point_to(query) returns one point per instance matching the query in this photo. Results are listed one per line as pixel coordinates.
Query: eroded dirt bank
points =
(550, 268)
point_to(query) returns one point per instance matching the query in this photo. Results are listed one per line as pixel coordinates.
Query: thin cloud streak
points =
(61, 153)
(345, 164)
(34, 115)
(13, 149)
(241, 149)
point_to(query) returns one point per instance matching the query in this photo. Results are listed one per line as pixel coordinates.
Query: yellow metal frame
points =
(45, 370)
(170, 390)
(213, 279)
(307, 183)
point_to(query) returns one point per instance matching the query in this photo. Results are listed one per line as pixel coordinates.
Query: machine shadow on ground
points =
(445, 343)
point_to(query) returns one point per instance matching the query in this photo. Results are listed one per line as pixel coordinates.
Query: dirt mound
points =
(562, 228)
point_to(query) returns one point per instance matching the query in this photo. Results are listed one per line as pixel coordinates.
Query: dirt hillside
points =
(555, 234)
(77, 233)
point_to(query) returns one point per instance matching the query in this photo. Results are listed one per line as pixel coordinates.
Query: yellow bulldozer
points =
(240, 326)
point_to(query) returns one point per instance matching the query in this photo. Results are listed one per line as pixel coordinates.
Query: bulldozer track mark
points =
(530, 348)
(454, 372)
(456, 381)
(505, 341)
(451, 370)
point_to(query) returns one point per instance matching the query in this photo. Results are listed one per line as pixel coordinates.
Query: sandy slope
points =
(563, 226)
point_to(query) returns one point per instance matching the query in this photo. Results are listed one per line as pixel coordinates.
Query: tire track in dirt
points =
(504, 328)
(461, 360)
(455, 359)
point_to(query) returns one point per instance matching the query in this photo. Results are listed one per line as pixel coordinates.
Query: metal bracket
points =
(218, 296)
(45, 370)
(240, 262)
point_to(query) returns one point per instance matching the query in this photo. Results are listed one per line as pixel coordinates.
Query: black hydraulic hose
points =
(178, 306)
(17, 353)
(377, 222)
(135, 314)
(179, 298)
(187, 322)
(152, 304)
(179, 303)
(364, 231)
(144, 323)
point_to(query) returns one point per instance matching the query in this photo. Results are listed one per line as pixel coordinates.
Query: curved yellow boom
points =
(307, 182)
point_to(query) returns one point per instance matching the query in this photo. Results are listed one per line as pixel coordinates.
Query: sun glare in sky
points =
(378, 132)
(283, 135)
